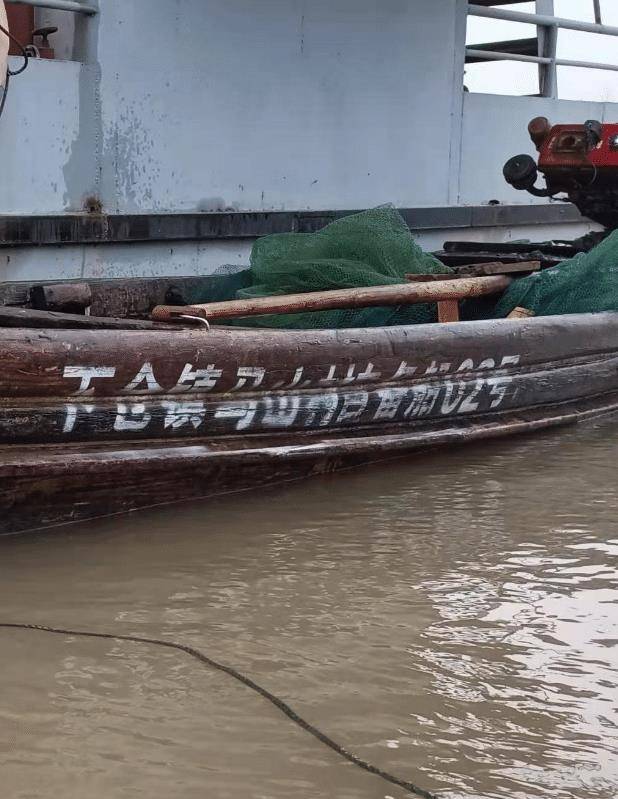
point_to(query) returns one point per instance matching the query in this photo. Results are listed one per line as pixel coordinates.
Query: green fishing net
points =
(372, 248)
(587, 283)
(376, 248)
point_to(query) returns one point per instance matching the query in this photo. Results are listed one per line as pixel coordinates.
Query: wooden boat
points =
(129, 414)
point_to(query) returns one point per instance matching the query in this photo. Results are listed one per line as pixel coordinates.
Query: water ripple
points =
(452, 618)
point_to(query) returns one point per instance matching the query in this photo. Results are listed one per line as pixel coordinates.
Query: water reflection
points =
(451, 618)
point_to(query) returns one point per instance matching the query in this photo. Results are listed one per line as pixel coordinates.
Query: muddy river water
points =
(452, 618)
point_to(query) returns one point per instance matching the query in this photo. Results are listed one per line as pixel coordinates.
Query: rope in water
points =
(278, 703)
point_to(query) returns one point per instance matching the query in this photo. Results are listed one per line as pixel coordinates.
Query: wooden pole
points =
(399, 294)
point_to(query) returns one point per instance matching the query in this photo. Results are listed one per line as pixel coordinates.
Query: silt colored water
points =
(451, 618)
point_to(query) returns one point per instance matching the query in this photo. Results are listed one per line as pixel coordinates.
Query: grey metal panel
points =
(350, 104)
(275, 105)
(268, 106)
(39, 131)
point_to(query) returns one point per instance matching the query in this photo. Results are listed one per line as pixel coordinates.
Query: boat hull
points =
(105, 422)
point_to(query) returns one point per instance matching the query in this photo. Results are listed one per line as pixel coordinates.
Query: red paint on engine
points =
(565, 148)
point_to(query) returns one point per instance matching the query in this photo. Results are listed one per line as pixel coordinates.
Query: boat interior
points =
(129, 303)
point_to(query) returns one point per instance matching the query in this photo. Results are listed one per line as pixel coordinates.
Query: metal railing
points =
(598, 17)
(486, 55)
(60, 5)
(548, 25)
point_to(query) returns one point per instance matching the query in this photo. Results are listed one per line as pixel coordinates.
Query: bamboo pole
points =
(399, 294)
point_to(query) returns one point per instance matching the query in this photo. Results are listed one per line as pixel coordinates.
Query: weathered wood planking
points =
(126, 297)
(57, 486)
(52, 320)
(54, 363)
(498, 268)
(64, 297)
(95, 422)
(87, 418)
(481, 270)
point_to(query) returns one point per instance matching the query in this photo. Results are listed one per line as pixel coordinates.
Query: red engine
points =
(580, 161)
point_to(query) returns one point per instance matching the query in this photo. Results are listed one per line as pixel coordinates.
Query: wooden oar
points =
(399, 294)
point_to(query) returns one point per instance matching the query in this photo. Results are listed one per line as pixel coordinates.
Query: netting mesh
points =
(373, 248)
(587, 283)
(376, 248)
(223, 285)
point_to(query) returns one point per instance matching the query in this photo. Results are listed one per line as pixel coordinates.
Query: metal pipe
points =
(492, 55)
(540, 19)
(487, 55)
(549, 82)
(598, 17)
(60, 5)
(565, 62)
(548, 44)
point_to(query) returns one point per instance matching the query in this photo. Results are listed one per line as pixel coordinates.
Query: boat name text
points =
(252, 378)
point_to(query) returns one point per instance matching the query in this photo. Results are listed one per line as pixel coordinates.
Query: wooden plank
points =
(520, 313)
(448, 311)
(193, 411)
(64, 297)
(432, 278)
(25, 317)
(131, 297)
(399, 294)
(498, 268)
(38, 363)
(480, 270)
(155, 423)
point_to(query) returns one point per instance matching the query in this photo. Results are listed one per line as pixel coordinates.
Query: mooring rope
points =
(237, 675)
